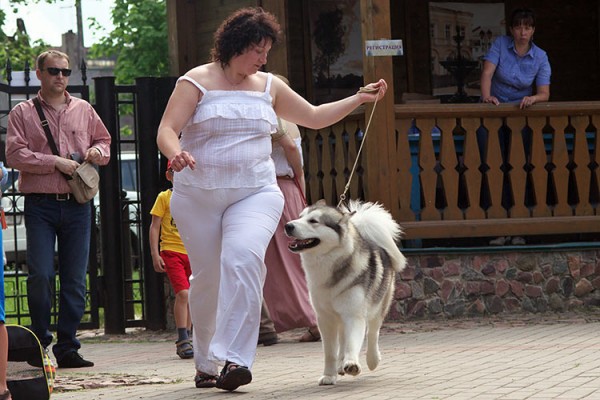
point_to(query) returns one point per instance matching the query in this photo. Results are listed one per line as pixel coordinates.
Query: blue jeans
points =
(47, 220)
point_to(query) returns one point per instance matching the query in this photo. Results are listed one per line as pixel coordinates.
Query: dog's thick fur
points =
(350, 257)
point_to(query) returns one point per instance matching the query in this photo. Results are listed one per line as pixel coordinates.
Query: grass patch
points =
(17, 308)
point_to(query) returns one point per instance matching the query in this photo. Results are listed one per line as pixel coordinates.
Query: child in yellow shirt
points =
(172, 259)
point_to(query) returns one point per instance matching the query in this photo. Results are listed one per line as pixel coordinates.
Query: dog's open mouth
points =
(303, 244)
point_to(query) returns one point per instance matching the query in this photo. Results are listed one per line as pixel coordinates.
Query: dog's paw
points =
(352, 368)
(327, 380)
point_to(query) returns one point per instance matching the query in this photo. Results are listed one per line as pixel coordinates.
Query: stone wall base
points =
(471, 285)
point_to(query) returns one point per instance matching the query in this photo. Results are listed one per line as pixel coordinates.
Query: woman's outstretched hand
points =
(373, 91)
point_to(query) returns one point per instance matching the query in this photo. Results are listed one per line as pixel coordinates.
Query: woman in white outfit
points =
(226, 202)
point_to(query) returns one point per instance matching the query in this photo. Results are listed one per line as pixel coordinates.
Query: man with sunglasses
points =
(51, 212)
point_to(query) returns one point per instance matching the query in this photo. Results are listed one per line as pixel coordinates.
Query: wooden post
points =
(181, 20)
(277, 62)
(381, 143)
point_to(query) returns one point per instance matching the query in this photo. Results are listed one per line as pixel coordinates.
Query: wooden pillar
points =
(278, 56)
(381, 143)
(182, 24)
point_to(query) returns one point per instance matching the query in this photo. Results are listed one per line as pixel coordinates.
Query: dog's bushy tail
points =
(375, 223)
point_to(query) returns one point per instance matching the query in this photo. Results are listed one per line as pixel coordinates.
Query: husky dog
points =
(350, 257)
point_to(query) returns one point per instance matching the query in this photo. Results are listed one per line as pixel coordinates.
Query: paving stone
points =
(533, 356)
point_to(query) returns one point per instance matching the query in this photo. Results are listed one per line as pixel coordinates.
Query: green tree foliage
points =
(138, 40)
(18, 47)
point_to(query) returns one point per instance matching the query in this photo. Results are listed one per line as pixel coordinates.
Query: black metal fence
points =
(129, 284)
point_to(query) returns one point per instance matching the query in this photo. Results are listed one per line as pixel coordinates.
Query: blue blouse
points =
(515, 76)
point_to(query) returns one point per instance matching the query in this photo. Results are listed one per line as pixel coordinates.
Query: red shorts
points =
(177, 268)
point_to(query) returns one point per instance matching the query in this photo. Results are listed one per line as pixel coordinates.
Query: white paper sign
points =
(384, 47)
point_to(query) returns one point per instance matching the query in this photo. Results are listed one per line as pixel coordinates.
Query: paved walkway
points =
(541, 358)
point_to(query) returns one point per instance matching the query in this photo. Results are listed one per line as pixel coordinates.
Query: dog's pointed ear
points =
(321, 203)
(346, 216)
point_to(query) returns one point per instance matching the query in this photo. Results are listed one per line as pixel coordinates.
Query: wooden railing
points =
(469, 170)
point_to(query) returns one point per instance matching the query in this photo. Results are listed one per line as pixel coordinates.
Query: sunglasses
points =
(55, 71)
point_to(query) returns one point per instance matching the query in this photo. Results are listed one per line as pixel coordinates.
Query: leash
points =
(364, 139)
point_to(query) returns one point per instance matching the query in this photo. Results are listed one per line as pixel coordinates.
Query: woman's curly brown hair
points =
(242, 29)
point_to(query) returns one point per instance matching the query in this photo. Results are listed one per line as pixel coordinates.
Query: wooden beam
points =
(278, 56)
(182, 25)
(500, 227)
(380, 145)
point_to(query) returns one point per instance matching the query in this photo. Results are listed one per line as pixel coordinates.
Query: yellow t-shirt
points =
(169, 235)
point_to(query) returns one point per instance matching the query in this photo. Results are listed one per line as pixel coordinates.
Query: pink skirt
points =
(285, 290)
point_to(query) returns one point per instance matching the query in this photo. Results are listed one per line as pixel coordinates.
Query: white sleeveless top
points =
(282, 166)
(229, 136)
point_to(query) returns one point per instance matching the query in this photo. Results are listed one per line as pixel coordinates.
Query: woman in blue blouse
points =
(511, 68)
(514, 64)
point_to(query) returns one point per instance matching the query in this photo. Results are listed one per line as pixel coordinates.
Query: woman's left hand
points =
(373, 91)
(527, 101)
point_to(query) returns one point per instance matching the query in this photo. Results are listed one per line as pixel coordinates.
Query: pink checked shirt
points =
(75, 129)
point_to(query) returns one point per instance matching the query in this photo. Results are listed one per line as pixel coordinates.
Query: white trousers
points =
(226, 233)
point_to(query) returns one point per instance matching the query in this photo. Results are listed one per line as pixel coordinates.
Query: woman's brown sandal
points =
(203, 380)
(233, 376)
